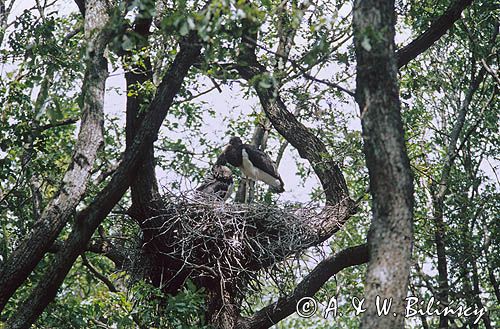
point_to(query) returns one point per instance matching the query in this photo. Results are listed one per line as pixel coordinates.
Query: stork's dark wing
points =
(261, 160)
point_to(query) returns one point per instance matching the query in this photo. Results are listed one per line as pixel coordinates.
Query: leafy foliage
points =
(42, 62)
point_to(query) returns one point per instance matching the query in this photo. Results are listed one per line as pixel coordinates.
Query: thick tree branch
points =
(284, 306)
(146, 200)
(437, 29)
(144, 188)
(90, 218)
(54, 217)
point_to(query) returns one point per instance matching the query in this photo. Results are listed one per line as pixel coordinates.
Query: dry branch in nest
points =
(231, 242)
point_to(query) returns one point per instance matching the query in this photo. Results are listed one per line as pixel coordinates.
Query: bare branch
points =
(58, 124)
(302, 70)
(190, 98)
(98, 275)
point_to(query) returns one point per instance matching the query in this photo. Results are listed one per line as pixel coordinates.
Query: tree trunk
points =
(377, 93)
(223, 310)
(4, 14)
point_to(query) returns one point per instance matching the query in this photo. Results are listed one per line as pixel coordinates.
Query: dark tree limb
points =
(144, 188)
(307, 143)
(390, 238)
(66, 122)
(437, 29)
(91, 217)
(90, 138)
(146, 200)
(285, 306)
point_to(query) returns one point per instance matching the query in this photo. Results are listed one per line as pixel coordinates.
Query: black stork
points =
(254, 163)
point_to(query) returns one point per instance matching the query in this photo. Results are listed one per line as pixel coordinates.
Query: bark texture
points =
(4, 14)
(90, 138)
(391, 186)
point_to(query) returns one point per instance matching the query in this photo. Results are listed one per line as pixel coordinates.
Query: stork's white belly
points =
(255, 173)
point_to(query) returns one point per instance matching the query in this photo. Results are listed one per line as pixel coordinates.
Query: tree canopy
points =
(382, 118)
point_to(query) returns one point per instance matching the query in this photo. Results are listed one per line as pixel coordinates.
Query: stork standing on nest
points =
(254, 163)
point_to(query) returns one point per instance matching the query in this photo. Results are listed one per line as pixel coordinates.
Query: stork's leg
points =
(246, 190)
(228, 192)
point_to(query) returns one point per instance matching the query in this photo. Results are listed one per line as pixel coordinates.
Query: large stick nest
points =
(233, 241)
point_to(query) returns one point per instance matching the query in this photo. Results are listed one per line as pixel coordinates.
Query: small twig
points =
(98, 275)
(57, 124)
(215, 84)
(492, 72)
(301, 69)
(71, 34)
(187, 99)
